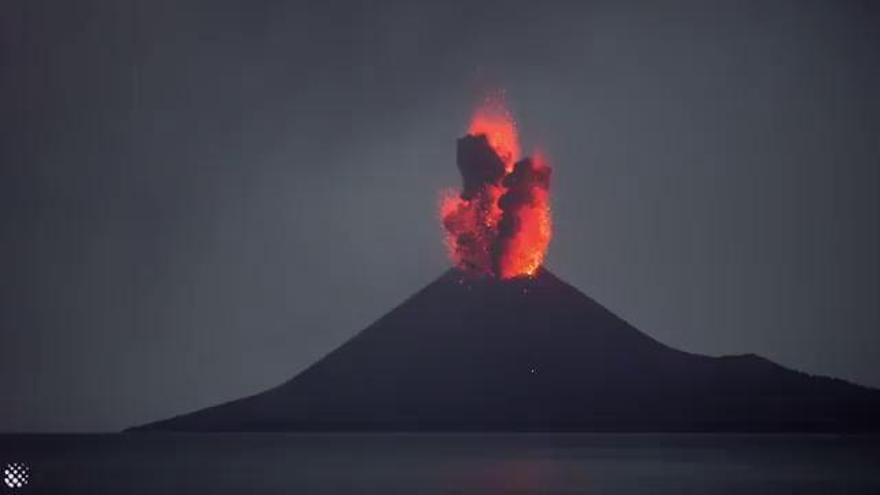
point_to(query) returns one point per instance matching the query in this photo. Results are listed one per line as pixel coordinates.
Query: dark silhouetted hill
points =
(469, 354)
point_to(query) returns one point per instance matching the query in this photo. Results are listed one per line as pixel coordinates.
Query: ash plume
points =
(499, 224)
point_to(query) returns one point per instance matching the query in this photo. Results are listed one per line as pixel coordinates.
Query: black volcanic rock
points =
(533, 354)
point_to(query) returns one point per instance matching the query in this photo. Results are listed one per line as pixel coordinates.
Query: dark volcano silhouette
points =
(533, 354)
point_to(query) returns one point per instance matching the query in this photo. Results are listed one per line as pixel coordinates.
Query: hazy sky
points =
(197, 200)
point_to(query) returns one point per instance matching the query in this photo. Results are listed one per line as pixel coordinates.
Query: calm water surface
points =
(412, 464)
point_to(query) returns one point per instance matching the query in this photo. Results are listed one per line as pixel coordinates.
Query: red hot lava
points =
(499, 224)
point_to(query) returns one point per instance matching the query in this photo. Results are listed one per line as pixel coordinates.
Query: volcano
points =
(532, 354)
(500, 343)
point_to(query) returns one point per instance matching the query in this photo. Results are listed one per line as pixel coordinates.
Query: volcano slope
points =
(532, 354)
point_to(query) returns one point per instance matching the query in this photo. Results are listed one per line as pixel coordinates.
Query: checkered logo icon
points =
(16, 474)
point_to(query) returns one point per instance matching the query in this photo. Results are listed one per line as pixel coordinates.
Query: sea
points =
(412, 464)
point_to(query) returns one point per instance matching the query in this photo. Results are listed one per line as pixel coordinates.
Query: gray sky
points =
(200, 199)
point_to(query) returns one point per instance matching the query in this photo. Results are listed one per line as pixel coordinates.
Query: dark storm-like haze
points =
(201, 199)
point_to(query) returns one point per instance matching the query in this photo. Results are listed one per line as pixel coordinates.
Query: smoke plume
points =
(499, 224)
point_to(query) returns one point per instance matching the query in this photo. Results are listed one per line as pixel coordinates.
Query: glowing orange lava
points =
(525, 250)
(493, 120)
(500, 225)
